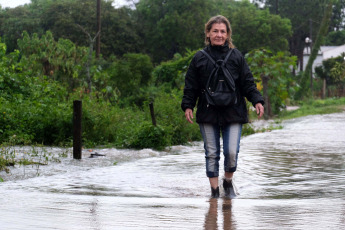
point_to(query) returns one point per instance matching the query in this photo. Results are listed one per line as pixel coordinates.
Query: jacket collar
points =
(218, 52)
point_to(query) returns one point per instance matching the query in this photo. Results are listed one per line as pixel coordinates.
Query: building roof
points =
(322, 49)
(335, 52)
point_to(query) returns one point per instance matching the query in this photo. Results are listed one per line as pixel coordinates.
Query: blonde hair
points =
(218, 19)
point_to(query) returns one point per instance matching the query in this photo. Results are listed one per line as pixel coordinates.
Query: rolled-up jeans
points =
(211, 134)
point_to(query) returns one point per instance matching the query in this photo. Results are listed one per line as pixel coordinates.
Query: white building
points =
(324, 53)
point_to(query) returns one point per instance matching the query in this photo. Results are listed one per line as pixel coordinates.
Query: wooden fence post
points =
(77, 108)
(152, 114)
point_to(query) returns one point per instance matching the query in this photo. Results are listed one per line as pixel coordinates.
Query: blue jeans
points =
(231, 134)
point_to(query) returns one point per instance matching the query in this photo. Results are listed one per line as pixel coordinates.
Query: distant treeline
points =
(161, 28)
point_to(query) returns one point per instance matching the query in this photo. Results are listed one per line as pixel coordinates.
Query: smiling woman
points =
(218, 34)
(218, 120)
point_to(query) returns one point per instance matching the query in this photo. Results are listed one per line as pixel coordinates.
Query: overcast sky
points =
(14, 3)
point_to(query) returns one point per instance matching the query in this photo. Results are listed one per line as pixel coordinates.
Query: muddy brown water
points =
(293, 178)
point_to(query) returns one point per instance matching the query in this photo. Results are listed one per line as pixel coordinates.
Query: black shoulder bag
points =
(220, 86)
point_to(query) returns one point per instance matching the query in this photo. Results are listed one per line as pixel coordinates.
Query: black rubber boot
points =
(215, 192)
(229, 190)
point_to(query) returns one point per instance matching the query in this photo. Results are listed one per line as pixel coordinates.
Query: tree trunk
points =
(267, 105)
(324, 89)
(88, 64)
(98, 44)
(322, 32)
(89, 60)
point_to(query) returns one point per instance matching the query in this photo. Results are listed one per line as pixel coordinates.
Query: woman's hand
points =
(259, 109)
(189, 115)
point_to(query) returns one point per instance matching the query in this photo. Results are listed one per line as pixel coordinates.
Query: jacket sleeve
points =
(248, 86)
(191, 88)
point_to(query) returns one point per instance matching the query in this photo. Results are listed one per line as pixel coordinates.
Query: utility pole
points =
(98, 43)
(311, 46)
(77, 132)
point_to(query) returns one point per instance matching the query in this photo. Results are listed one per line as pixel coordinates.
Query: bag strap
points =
(208, 56)
(227, 56)
(228, 77)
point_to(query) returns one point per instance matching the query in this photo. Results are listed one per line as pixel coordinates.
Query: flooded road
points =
(292, 178)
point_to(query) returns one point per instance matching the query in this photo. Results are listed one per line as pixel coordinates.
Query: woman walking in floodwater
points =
(225, 120)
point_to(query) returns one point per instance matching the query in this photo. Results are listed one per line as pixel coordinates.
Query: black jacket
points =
(196, 78)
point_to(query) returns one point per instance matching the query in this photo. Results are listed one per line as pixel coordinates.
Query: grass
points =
(11, 156)
(327, 106)
(306, 108)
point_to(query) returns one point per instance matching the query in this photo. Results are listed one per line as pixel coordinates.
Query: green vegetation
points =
(158, 28)
(273, 71)
(46, 63)
(306, 19)
(314, 107)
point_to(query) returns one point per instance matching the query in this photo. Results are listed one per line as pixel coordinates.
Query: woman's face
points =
(217, 34)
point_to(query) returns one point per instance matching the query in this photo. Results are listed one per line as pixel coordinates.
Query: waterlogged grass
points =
(12, 156)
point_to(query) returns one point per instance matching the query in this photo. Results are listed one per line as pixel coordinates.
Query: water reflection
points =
(211, 218)
(95, 222)
(228, 221)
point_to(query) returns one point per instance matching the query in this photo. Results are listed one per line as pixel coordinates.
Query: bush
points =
(168, 112)
(105, 124)
(149, 136)
(37, 114)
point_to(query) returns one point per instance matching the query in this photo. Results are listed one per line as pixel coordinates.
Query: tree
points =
(119, 31)
(305, 90)
(119, 28)
(338, 72)
(305, 20)
(332, 73)
(160, 28)
(14, 21)
(335, 38)
(129, 73)
(63, 17)
(60, 60)
(274, 72)
(172, 72)
(331, 70)
(253, 28)
(170, 27)
(90, 56)
(338, 16)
